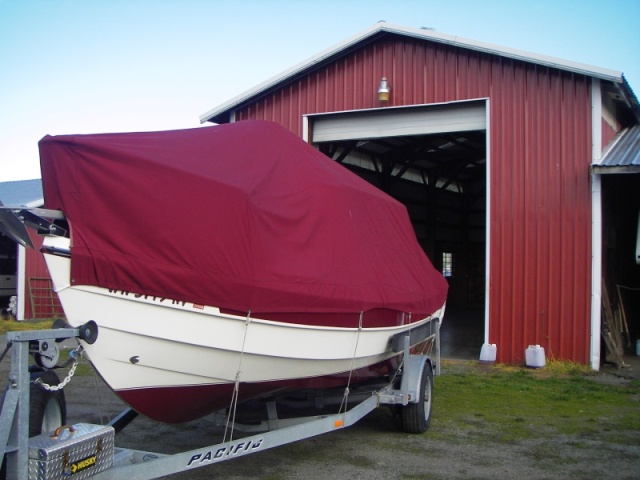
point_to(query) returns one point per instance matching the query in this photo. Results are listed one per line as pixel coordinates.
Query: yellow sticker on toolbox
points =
(80, 465)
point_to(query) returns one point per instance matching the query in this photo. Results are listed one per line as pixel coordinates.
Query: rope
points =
(345, 398)
(233, 407)
(101, 408)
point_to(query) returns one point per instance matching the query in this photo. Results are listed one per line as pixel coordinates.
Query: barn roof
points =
(22, 193)
(221, 113)
(623, 155)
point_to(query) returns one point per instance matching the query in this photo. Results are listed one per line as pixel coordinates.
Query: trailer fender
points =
(412, 375)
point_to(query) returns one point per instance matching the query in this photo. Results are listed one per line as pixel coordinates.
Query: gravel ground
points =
(373, 449)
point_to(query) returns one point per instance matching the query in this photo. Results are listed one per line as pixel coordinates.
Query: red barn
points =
(513, 166)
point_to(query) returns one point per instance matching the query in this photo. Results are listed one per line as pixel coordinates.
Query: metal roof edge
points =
(630, 97)
(22, 193)
(526, 56)
(625, 169)
(622, 155)
(36, 203)
(421, 33)
(300, 67)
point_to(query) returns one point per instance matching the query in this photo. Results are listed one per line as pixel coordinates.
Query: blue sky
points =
(89, 66)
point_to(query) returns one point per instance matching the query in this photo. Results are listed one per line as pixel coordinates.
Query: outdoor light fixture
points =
(383, 90)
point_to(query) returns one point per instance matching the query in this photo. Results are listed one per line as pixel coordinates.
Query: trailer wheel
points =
(416, 417)
(47, 409)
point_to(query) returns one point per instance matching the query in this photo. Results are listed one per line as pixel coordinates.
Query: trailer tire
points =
(47, 409)
(416, 417)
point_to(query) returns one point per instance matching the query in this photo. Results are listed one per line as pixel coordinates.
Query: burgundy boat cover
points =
(243, 216)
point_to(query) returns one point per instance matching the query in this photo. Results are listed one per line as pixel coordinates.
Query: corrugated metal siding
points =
(540, 129)
(21, 192)
(625, 153)
(540, 187)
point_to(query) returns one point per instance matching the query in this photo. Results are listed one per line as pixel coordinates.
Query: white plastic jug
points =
(535, 356)
(488, 353)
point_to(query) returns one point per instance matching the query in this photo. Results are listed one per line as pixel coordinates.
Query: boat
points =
(229, 263)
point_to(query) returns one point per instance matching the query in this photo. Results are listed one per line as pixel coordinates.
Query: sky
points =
(91, 66)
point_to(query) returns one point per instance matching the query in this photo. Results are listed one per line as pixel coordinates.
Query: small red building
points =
(511, 164)
(23, 272)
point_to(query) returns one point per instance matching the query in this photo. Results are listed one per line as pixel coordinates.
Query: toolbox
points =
(71, 452)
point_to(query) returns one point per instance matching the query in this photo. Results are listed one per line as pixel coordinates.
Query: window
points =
(447, 264)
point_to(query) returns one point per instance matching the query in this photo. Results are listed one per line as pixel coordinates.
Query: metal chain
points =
(76, 354)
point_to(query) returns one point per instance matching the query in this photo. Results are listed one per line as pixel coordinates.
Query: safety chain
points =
(76, 354)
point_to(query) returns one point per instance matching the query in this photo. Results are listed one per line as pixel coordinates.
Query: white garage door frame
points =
(423, 119)
(396, 121)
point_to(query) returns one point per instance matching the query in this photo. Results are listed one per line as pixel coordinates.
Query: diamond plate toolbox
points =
(72, 452)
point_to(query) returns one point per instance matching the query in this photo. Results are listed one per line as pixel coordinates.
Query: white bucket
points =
(535, 356)
(488, 353)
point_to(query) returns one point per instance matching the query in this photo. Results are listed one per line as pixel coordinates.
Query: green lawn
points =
(515, 403)
(12, 325)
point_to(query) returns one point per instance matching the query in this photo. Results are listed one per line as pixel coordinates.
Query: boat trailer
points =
(87, 451)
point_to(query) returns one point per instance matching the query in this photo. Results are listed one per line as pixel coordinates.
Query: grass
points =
(12, 325)
(509, 403)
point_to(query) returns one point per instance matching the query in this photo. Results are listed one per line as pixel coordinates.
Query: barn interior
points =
(442, 180)
(8, 271)
(621, 267)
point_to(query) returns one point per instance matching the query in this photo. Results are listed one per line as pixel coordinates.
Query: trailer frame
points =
(139, 464)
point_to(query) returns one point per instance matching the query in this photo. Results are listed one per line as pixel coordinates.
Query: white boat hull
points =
(160, 345)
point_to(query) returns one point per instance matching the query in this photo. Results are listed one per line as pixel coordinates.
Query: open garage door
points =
(433, 159)
(618, 175)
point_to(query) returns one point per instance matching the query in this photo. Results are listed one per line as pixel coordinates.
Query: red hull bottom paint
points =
(185, 403)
